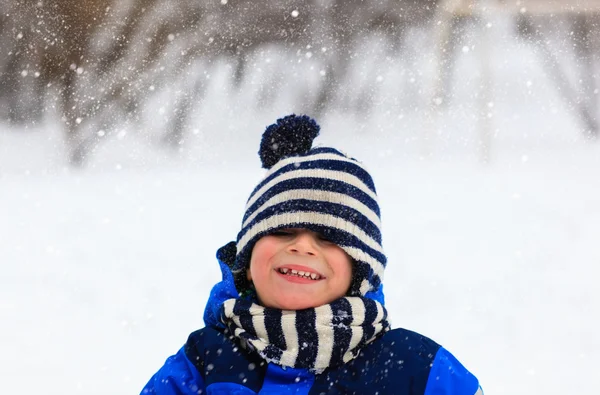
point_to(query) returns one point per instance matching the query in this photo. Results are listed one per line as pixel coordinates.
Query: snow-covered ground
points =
(106, 270)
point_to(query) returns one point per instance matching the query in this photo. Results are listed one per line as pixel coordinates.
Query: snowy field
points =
(106, 269)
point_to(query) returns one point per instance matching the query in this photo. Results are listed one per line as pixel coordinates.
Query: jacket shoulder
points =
(403, 350)
(449, 376)
(417, 349)
(218, 358)
(176, 377)
(398, 362)
(435, 369)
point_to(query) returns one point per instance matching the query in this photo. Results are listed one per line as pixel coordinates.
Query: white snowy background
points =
(106, 269)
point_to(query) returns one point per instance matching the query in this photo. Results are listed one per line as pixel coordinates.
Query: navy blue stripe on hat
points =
(305, 326)
(321, 164)
(317, 154)
(347, 240)
(328, 150)
(364, 270)
(320, 151)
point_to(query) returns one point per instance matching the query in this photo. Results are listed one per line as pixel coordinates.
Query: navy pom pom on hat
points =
(320, 189)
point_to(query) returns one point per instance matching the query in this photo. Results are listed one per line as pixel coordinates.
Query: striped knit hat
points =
(320, 189)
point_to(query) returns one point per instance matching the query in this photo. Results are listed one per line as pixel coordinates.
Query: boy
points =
(300, 309)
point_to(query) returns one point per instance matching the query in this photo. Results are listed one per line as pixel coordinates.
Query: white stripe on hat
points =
(288, 326)
(309, 158)
(309, 217)
(325, 334)
(365, 286)
(320, 196)
(312, 173)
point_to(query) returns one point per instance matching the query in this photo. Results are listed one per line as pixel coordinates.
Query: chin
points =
(298, 304)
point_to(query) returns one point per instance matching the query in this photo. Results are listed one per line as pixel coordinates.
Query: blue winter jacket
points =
(399, 362)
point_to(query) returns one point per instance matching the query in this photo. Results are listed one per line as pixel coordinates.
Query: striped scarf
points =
(314, 339)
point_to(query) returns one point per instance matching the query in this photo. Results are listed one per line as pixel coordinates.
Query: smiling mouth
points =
(300, 273)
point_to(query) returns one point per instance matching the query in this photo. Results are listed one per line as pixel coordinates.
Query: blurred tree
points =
(530, 17)
(102, 61)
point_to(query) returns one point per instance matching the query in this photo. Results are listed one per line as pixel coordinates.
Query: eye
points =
(323, 238)
(281, 233)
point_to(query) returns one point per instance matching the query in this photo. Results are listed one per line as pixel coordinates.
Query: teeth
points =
(299, 273)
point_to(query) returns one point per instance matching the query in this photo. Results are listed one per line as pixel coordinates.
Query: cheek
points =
(342, 266)
(256, 268)
(347, 275)
(262, 252)
(265, 246)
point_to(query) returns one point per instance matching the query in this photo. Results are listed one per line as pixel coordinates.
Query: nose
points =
(303, 244)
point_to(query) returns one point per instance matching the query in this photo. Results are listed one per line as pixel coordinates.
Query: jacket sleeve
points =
(178, 376)
(449, 377)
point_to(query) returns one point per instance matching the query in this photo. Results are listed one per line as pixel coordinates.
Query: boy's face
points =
(327, 270)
